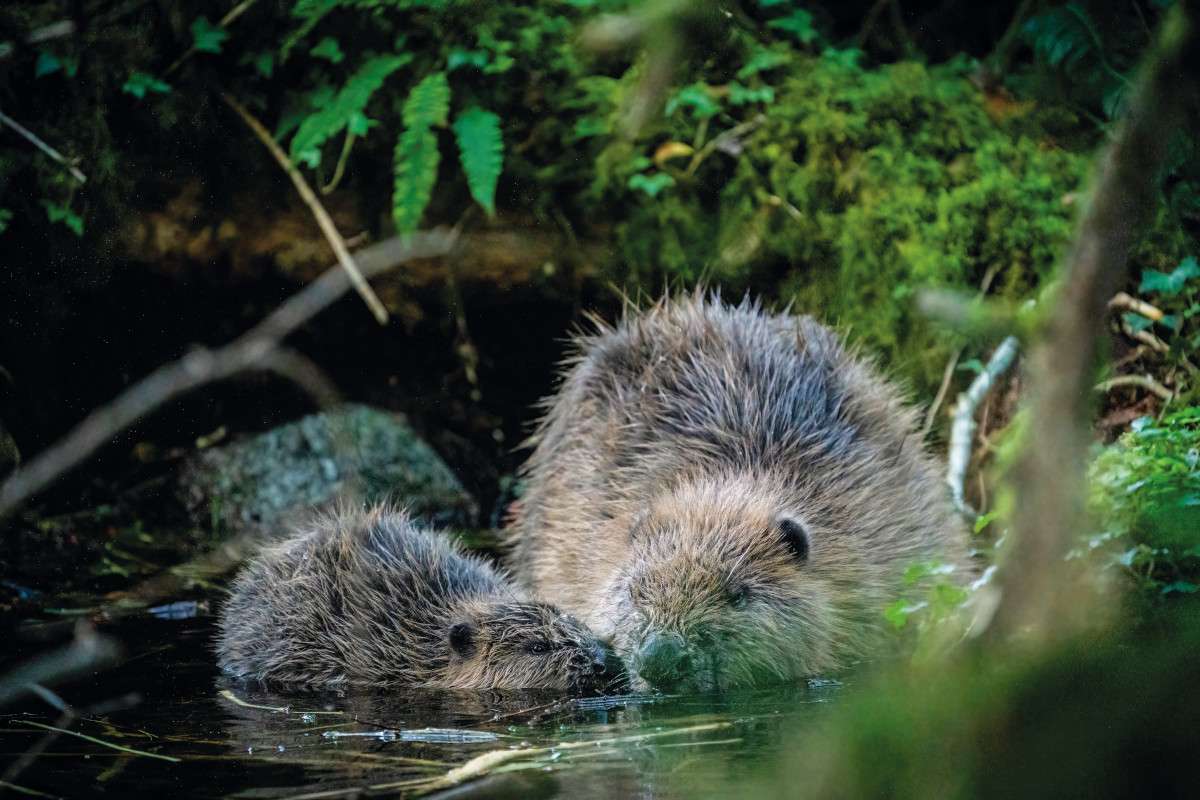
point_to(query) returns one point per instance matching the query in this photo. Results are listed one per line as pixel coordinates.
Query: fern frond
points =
(415, 165)
(481, 150)
(346, 106)
(428, 103)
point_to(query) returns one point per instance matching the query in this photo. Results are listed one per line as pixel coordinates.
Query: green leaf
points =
(5, 217)
(415, 165)
(1136, 321)
(762, 61)
(740, 95)
(651, 184)
(346, 106)
(206, 37)
(697, 97)
(459, 58)
(329, 50)
(139, 83)
(798, 24)
(264, 63)
(57, 213)
(47, 64)
(1170, 284)
(428, 103)
(481, 150)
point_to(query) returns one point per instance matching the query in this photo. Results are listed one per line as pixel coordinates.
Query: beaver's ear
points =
(462, 639)
(794, 536)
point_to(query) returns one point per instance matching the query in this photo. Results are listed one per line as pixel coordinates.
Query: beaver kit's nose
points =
(663, 660)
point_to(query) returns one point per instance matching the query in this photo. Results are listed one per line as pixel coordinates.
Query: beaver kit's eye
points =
(538, 648)
(794, 536)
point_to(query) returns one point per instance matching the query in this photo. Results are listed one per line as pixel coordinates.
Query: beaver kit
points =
(368, 598)
(730, 496)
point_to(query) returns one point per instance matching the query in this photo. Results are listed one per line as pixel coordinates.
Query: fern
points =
(481, 150)
(429, 102)
(415, 165)
(346, 108)
(417, 156)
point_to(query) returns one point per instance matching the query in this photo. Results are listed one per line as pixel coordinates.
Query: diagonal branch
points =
(324, 221)
(258, 348)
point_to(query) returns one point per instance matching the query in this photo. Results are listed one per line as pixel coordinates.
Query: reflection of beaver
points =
(729, 495)
(366, 598)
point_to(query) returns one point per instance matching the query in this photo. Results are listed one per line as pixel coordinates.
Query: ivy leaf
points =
(652, 185)
(415, 166)
(264, 63)
(428, 104)
(740, 95)
(459, 58)
(1172, 283)
(329, 50)
(481, 150)
(47, 64)
(139, 83)
(206, 37)
(697, 97)
(798, 24)
(63, 214)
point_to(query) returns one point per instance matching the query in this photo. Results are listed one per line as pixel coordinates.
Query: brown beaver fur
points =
(367, 598)
(730, 496)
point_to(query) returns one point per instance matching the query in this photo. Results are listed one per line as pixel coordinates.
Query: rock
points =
(353, 452)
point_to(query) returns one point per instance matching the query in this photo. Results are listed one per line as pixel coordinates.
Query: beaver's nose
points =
(663, 660)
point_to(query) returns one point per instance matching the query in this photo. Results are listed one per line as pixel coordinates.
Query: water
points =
(232, 740)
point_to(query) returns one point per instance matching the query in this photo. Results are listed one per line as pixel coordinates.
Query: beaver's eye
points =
(538, 648)
(739, 596)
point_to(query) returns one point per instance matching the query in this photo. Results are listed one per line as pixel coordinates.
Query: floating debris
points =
(609, 702)
(432, 735)
(183, 609)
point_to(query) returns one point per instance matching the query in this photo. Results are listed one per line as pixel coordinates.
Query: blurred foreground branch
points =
(1049, 476)
(258, 348)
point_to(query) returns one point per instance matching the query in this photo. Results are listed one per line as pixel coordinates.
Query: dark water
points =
(169, 700)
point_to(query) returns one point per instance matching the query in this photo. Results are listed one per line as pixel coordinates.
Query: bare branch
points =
(256, 349)
(322, 216)
(225, 22)
(1141, 381)
(962, 431)
(45, 148)
(1136, 305)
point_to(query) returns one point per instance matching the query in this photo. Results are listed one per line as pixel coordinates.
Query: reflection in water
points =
(248, 742)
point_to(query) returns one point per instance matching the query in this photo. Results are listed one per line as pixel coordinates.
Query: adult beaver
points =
(367, 598)
(730, 496)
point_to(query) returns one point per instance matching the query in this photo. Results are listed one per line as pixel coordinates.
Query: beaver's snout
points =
(663, 660)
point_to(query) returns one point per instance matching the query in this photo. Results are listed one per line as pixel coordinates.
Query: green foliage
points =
(481, 150)
(346, 108)
(1145, 499)
(429, 102)
(139, 84)
(206, 37)
(59, 213)
(417, 155)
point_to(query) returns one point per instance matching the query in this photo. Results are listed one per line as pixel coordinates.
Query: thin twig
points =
(94, 740)
(233, 698)
(340, 168)
(324, 221)
(204, 366)
(1141, 381)
(1137, 306)
(45, 148)
(962, 430)
(25, 790)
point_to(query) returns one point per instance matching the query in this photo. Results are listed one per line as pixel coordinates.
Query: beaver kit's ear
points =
(462, 639)
(794, 536)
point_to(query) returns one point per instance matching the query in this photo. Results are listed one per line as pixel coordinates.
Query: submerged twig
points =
(233, 698)
(94, 740)
(25, 790)
(257, 346)
(324, 221)
(962, 430)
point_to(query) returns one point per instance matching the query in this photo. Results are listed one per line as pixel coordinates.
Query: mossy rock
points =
(355, 453)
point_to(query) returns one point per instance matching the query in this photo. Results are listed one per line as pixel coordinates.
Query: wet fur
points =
(674, 445)
(368, 598)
